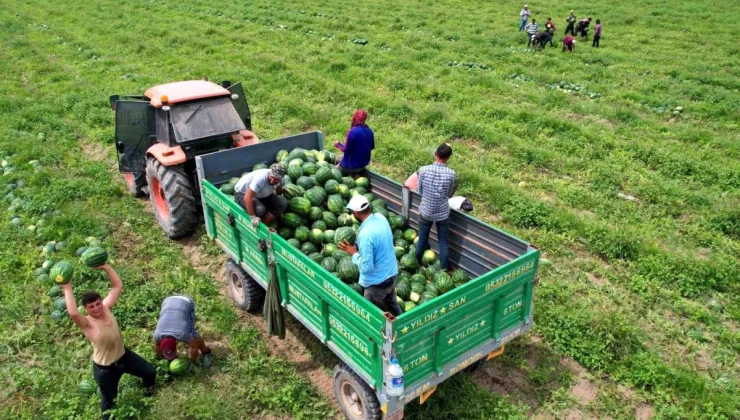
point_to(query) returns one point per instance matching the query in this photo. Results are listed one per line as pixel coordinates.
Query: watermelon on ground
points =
(179, 366)
(57, 315)
(87, 387)
(94, 257)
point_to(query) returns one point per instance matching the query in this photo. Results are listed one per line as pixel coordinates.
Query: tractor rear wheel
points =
(245, 291)
(172, 198)
(135, 182)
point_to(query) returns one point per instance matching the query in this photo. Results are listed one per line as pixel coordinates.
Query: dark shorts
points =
(273, 203)
(383, 296)
(350, 172)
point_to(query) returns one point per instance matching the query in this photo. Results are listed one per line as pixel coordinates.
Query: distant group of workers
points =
(574, 27)
(259, 194)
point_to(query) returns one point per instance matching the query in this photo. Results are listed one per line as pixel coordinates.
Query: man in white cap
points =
(374, 255)
(524, 15)
(258, 192)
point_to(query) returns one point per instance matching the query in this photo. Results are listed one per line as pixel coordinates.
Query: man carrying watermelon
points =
(437, 183)
(374, 255)
(177, 323)
(111, 359)
(358, 146)
(258, 192)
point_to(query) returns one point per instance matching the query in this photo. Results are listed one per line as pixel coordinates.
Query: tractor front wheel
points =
(172, 198)
(135, 182)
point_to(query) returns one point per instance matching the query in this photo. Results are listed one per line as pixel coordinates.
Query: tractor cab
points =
(166, 128)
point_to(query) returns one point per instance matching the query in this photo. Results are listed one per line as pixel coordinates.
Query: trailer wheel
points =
(355, 397)
(172, 198)
(135, 182)
(246, 293)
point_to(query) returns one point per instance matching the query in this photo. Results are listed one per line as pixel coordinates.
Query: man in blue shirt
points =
(374, 255)
(358, 146)
(437, 183)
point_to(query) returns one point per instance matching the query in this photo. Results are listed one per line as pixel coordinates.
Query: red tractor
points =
(158, 135)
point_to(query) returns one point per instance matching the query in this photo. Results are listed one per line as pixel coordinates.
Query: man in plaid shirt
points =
(437, 183)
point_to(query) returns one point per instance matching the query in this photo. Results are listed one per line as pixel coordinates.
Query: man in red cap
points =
(177, 323)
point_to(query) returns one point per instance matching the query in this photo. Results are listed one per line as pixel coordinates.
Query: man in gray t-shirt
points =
(177, 323)
(258, 192)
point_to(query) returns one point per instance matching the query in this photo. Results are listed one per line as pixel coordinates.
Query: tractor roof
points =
(184, 91)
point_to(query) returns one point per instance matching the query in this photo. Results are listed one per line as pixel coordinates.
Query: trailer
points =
(454, 332)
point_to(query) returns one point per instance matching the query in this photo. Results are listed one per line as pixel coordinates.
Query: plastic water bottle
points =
(395, 376)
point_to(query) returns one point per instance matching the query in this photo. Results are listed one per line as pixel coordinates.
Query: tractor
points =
(159, 134)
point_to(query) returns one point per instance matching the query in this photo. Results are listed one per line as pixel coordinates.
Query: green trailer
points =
(456, 331)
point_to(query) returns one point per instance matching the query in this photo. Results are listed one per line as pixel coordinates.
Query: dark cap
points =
(444, 151)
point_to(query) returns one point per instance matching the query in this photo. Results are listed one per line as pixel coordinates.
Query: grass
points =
(642, 293)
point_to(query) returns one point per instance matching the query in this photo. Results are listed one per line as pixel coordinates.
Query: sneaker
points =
(206, 360)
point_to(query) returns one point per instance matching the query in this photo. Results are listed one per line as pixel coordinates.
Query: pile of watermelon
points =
(317, 221)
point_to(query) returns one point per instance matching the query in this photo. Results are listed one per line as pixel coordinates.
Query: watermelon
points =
(433, 288)
(400, 251)
(322, 175)
(444, 282)
(348, 271)
(348, 181)
(227, 189)
(87, 387)
(379, 204)
(336, 174)
(357, 191)
(296, 162)
(62, 272)
(428, 257)
(292, 220)
(329, 219)
(316, 195)
(55, 291)
(179, 366)
(403, 290)
(308, 248)
(49, 249)
(60, 246)
(343, 190)
(292, 191)
(92, 241)
(305, 182)
(414, 297)
(94, 257)
(398, 234)
(315, 213)
(459, 277)
(57, 316)
(329, 250)
(329, 237)
(310, 168)
(394, 220)
(339, 255)
(409, 262)
(402, 243)
(259, 166)
(344, 220)
(329, 264)
(335, 204)
(300, 206)
(418, 278)
(59, 304)
(418, 288)
(345, 234)
(381, 211)
(316, 235)
(409, 306)
(319, 224)
(362, 182)
(356, 287)
(428, 294)
(295, 243)
(409, 235)
(281, 154)
(316, 257)
(42, 278)
(331, 186)
(47, 264)
(301, 233)
(285, 232)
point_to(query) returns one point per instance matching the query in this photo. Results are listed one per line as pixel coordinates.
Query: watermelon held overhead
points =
(62, 272)
(94, 257)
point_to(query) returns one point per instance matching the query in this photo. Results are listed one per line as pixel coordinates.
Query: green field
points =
(637, 208)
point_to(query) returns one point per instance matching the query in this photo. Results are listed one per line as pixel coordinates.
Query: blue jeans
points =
(523, 24)
(443, 231)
